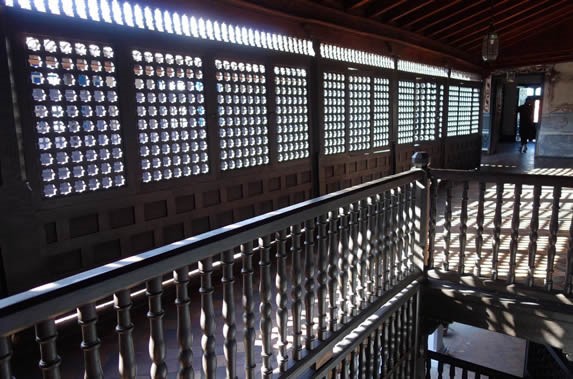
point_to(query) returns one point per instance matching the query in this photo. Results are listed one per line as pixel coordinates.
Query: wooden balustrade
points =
(519, 225)
(442, 366)
(335, 261)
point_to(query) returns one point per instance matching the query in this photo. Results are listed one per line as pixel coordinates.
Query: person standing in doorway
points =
(526, 126)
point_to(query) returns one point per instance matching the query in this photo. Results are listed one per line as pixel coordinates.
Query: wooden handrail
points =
(501, 177)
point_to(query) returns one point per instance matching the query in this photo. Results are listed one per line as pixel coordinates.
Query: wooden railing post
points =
(424, 257)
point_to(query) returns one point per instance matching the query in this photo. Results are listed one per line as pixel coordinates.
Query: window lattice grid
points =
(355, 56)
(465, 111)
(359, 123)
(422, 68)
(406, 100)
(475, 110)
(425, 117)
(453, 103)
(242, 111)
(170, 115)
(166, 21)
(292, 113)
(381, 113)
(76, 116)
(464, 75)
(334, 113)
(441, 110)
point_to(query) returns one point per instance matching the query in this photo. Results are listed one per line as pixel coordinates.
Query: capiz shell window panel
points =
(171, 120)
(75, 115)
(292, 113)
(242, 111)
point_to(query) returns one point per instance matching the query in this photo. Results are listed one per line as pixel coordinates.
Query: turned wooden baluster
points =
(87, 318)
(432, 223)
(50, 361)
(387, 255)
(228, 312)
(297, 273)
(361, 255)
(353, 364)
(156, 339)
(408, 230)
(379, 246)
(569, 270)
(553, 229)
(496, 230)
(5, 357)
(365, 358)
(265, 307)
(354, 301)
(440, 369)
(309, 295)
(333, 255)
(281, 282)
(514, 233)
(395, 246)
(248, 309)
(124, 329)
(373, 252)
(533, 234)
(322, 267)
(385, 353)
(208, 343)
(401, 235)
(343, 303)
(479, 232)
(463, 228)
(447, 226)
(376, 354)
(184, 330)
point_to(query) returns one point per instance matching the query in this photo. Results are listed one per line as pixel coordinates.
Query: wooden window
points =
(76, 115)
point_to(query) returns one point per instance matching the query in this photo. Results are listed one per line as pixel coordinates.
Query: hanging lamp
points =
(490, 43)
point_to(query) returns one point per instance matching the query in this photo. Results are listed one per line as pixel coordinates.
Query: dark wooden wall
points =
(42, 239)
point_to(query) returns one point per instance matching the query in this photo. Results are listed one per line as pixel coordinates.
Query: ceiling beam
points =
(496, 20)
(498, 23)
(358, 4)
(384, 9)
(411, 10)
(518, 34)
(547, 16)
(432, 13)
(464, 20)
(451, 15)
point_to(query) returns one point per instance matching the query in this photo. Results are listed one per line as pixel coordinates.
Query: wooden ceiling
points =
(530, 31)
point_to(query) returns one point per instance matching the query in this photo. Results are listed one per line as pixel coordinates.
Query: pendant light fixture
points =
(490, 43)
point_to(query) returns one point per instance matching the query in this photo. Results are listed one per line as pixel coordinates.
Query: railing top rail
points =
(502, 177)
(24, 309)
(448, 359)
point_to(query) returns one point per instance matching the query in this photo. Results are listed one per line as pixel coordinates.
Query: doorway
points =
(533, 92)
